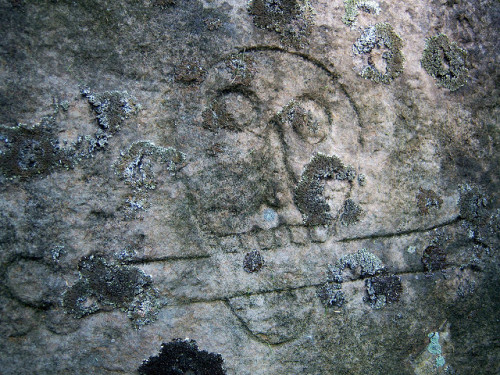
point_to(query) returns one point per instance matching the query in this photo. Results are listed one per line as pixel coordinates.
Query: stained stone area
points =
(249, 187)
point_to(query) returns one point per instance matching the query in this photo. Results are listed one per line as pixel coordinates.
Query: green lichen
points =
(352, 8)
(78, 300)
(445, 61)
(86, 146)
(253, 261)
(380, 39)
(322, 167)
(362, 179)
(434, 346)
(27, 151)
(440, 361)
(481, 221)
(213, 24)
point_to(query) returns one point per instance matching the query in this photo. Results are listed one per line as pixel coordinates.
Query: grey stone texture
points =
(147, 147)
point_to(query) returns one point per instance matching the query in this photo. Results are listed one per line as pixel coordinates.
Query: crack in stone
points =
(226, 300)
(166, 259)
(243, 294)
(375, 236)
(290, 289)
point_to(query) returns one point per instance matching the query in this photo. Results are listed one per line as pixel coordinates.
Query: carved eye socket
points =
(308, 119)
(233, 110)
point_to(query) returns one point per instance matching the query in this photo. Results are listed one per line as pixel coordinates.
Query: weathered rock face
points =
(299, 186)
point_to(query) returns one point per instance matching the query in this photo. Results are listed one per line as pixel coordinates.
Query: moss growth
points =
(426, 199)
(112, 108)
(292, 19)
(232, 110)
(29, 151)
(372, 41)
(445, 61)
(190, 72)
(217, 116)
(183, 357)
(352, 8)
(108, 286)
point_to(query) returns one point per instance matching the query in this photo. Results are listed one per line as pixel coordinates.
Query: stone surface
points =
(147, 147)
